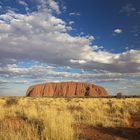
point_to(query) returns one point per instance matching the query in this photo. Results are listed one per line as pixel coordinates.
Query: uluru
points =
(66, 89)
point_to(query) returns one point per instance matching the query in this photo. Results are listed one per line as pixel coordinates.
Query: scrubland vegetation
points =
(34, 118)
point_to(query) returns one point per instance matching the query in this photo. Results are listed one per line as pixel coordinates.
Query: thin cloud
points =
(118, 31)
(23, 3)
(128, 9)
(74, 14)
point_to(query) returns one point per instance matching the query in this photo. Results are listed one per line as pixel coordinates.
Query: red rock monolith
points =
(66, 89)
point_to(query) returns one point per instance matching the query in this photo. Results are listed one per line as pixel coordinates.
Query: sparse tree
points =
(119, 95)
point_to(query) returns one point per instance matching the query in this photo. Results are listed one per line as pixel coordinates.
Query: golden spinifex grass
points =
(37, 118)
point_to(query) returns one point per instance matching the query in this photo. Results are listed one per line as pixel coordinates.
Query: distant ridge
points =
(66, 89)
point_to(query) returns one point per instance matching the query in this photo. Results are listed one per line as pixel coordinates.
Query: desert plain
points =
(79, 118)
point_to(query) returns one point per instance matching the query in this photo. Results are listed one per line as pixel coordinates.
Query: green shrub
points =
(11, 101)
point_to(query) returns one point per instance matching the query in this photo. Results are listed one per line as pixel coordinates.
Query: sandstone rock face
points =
(66, 89)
